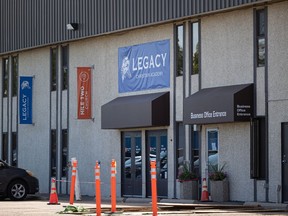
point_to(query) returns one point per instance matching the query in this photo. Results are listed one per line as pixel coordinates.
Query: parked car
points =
(16, 183)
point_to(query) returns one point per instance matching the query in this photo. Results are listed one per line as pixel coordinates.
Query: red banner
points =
(84, 92)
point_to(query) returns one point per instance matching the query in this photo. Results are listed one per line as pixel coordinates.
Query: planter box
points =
(219, 191)
(189, 190)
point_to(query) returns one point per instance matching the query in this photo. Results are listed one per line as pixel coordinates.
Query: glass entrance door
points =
(157, 149)
(131, 164)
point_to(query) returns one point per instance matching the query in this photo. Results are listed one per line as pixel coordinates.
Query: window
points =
(14, 76)
(5, 147)
(212, 141)
(64, 67)
(260, 36)
(64, 154)
(195, 151)
(14, 149)
(54, 64)
(53, 153)
(5, 76)
(180, 147)
(258, 161)
(195, 46)
(179, 50)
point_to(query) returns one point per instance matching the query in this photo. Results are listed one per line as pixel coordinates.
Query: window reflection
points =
(195, 48)
(133, 160)
(261, 52)
(163, 157)
(138, 159)
(127, 157)
(260, 37)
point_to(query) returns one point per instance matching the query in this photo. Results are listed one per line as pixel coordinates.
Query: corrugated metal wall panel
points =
(4, 33)
(30, 23)
(3, 25)
(114, 13)
(109, 16)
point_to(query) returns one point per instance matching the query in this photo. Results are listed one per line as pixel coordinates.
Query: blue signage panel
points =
(25, 99)
(144, 66)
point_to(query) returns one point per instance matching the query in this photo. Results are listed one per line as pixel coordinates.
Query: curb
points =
(267, 205)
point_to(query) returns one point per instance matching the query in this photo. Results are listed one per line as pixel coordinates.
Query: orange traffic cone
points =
(205, 194)
(53, 195)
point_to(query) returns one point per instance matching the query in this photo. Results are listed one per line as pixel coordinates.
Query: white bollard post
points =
(77, 186)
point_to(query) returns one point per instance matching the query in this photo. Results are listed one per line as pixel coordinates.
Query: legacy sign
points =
(25, 99)
(144, 66)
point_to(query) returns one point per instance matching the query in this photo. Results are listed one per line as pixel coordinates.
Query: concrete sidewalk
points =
(144, 202)
(37, 205)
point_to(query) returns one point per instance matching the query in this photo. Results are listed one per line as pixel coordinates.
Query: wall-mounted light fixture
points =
(72, 26)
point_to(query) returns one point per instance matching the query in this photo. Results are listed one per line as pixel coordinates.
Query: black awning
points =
(147, 110)
(220, 104)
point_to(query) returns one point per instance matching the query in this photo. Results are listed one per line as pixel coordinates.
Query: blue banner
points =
(144, 66)
(25, 99)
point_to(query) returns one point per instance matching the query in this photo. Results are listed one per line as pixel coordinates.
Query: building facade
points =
(198, 82)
